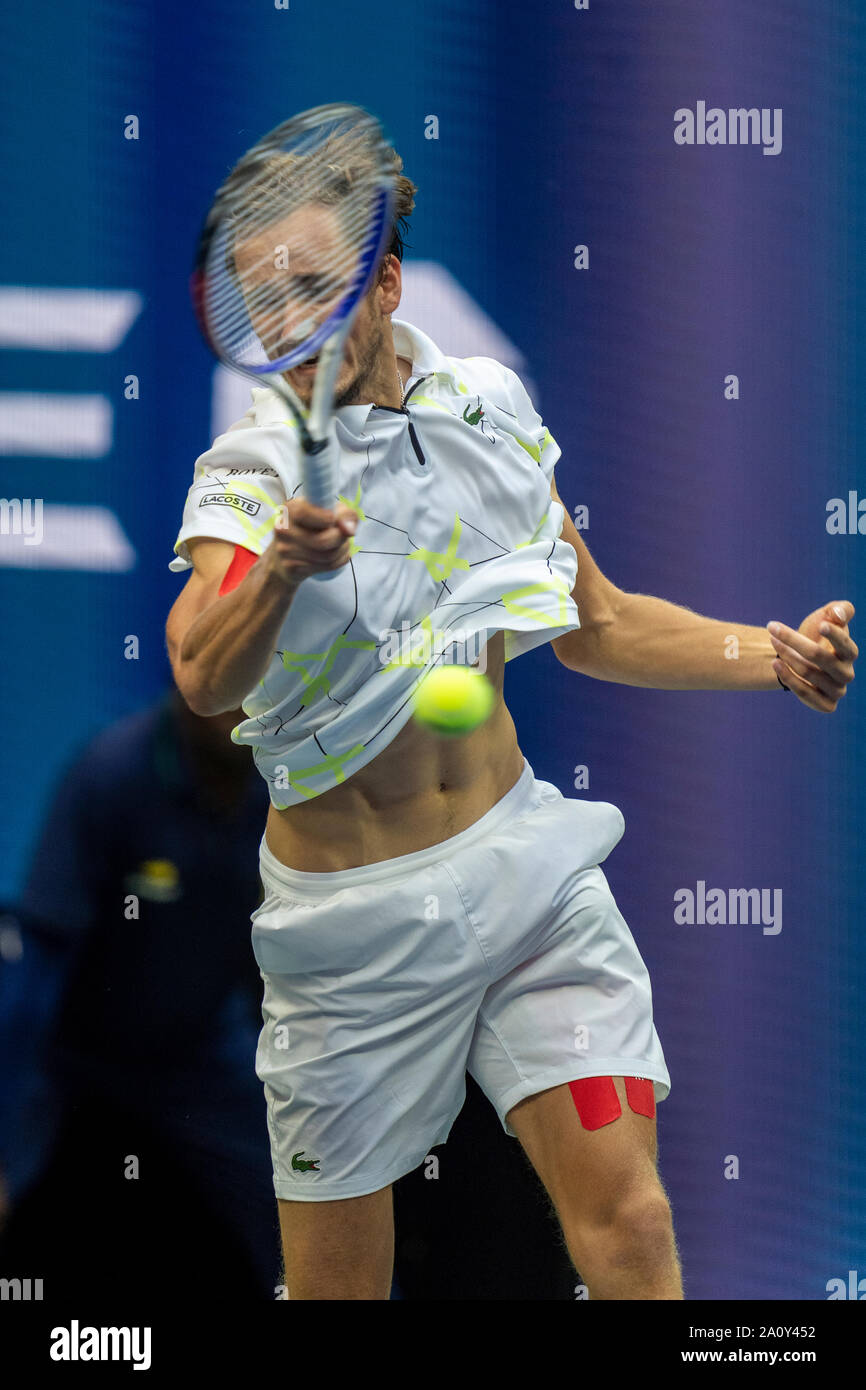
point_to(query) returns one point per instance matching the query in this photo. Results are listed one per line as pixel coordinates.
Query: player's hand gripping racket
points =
(288, 251)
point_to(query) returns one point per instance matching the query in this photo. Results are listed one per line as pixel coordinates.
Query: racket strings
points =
(291, 240)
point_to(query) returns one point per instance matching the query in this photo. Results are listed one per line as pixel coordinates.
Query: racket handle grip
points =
(318, 465)
(319, 486)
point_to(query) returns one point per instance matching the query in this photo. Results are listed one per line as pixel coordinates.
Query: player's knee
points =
(637, 1227)
(631, 1208)
(645, 1217)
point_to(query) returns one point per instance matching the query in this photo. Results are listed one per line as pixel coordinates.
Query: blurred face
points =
(293, 275)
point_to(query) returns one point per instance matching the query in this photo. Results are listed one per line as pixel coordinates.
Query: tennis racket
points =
(287, 252)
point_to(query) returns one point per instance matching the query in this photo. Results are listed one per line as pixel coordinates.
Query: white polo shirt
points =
(457, 540)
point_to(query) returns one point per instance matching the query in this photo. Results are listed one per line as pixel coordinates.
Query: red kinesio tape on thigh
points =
(641, 1095)
(243, 562)
(595, 1100)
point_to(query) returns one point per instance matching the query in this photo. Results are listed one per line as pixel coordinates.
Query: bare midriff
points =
(422, 789)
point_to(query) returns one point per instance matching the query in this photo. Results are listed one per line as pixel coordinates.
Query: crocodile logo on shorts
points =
(305, 1165)
(473, 416)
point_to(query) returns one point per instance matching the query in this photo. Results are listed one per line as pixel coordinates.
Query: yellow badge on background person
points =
(155, 879)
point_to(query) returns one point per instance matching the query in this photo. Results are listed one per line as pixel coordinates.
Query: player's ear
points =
(390, 286)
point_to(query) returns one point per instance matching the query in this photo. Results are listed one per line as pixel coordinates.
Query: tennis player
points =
(430, 906)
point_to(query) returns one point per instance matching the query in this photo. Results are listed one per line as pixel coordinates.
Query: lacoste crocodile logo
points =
(476, 417)
(305, 1165)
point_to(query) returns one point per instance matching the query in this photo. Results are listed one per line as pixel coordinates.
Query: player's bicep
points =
(211, 560)
(593, 593)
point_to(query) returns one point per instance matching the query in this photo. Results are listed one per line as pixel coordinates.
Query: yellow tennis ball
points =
(453, 700)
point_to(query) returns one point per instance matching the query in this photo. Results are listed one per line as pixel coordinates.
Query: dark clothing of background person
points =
(134, 1035)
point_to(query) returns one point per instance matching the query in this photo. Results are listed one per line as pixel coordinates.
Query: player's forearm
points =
(650, 642)
(227, 649)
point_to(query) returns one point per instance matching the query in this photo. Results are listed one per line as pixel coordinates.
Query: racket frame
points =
(318, 456)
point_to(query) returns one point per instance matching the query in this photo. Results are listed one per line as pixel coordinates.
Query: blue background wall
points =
(555, 128)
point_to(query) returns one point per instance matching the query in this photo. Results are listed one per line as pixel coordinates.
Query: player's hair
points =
(257, 186)
(404, 206)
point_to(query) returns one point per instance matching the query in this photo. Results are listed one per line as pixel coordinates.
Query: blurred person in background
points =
(130, 1005)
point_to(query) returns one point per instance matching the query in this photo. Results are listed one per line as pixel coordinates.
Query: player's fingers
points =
(336, 561)
(310, 561)
(812, 652)
(843, 609)
(334, 538)
(815, 675)
(314, 526)
(303, 514)
(807, 692)
(314, 550)
(842, 641)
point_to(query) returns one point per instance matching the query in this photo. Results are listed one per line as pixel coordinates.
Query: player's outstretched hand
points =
(308, 539)
(817, 660)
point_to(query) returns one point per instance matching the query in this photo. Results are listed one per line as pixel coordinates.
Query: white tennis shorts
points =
(499, 951)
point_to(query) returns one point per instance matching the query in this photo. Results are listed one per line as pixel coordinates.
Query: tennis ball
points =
(453, 700)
